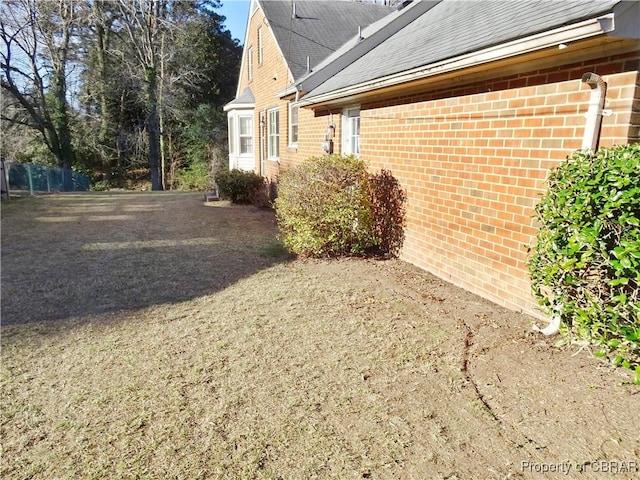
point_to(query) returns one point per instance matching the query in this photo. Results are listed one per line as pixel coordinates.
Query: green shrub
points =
(585, 265)
(195, 177)
(240, 186)
(100, 186)
(331, 206)
(323, 207)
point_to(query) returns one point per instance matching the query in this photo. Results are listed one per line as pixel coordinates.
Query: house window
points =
(250, 63)
(259, 45)
(273, 129)
(246, 135)
(293, 125)
(241, 143)
(351, 131)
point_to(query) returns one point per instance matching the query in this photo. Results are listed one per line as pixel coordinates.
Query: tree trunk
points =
(163, 161)
(60, 120)
(102, 41)
(153, 126)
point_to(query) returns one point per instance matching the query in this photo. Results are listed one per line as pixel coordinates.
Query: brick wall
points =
(474, 160)
(270, 77)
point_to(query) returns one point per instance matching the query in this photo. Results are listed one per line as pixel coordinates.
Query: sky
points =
(236, 12)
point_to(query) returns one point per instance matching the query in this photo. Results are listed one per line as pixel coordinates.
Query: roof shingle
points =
(454, 28)
(319, 28)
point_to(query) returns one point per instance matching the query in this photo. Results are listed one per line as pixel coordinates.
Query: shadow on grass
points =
(77, 255)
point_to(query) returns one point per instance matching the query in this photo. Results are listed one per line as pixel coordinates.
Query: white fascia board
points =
(253, 8)
(540, 41)
(239, 106)
(290, 90)
(252, 11)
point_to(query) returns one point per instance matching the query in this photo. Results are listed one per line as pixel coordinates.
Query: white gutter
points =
(552, 38)
(290, 90)
(238, 106)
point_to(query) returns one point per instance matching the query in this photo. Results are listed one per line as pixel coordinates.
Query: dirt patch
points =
(153, 336)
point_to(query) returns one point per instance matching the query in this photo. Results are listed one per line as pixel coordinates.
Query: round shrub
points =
(323, 207)
(240, 186)
(585, 265)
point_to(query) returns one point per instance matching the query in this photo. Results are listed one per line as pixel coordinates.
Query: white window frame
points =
(247, 135)
(250, 63)
(351, 131)
(245, 160)
(294, 142)
(235, 133)
(273, 134)
(260, 46)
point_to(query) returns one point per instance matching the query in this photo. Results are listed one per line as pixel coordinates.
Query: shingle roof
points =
(319, 29)
(455, 27)
(246, 98)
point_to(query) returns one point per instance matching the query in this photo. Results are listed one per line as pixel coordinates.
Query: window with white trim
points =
(240, 133)
(246, 134)
(273, 134)
(293, 125)
(250, 63)
(260, 46)
(351, 131)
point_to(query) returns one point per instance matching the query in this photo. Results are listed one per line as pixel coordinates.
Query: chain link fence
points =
(28, 178)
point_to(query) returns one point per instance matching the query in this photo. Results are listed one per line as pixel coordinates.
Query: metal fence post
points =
(29, 178)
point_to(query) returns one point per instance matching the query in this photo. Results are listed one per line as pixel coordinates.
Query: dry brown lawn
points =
(151, 336)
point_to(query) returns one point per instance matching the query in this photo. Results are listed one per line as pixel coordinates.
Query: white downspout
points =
(589, 144)
(595, 111)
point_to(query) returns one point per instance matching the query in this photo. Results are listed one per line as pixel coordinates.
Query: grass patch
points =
(175, 357)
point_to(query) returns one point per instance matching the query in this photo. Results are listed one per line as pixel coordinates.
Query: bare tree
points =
(36, 50)
(144, 22)
(100, 23)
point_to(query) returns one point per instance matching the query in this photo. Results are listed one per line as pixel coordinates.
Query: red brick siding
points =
(474, 161)
(269, 78)
(473, 158)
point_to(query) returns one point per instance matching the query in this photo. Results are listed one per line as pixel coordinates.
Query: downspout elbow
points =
(595, 111)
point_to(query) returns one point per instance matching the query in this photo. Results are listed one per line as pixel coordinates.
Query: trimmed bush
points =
(585, 265)
(240, 186)
(331, 206)
(323, 207)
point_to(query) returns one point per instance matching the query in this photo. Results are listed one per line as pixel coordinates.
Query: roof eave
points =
(238, 106)
(287, 92)
(570, 33)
